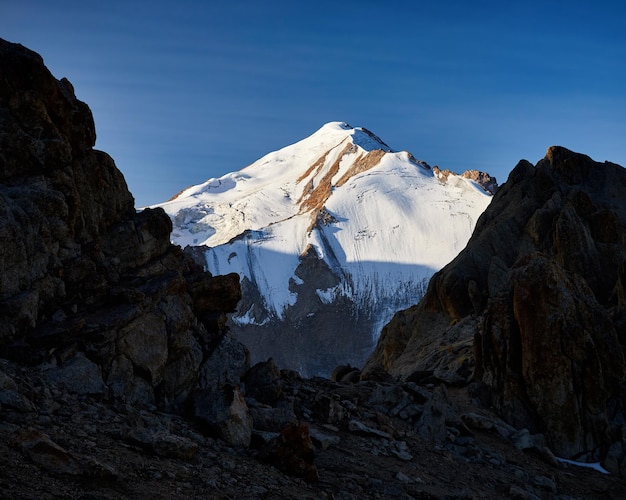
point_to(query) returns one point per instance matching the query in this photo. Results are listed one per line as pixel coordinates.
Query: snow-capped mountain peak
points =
(335, 222)
(295, 179)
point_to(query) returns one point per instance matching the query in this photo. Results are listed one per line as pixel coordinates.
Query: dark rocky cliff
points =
(86, 283)
(534, 308)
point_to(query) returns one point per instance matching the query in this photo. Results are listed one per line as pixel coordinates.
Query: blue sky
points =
(187, 90)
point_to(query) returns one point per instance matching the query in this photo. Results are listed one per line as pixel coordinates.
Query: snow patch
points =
(594, 465)
(327, 296)
(248, 319)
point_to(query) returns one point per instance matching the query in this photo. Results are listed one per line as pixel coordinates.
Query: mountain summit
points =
(330, 236)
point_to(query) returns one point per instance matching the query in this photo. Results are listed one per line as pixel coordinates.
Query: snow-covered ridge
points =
(294, 179)
(373, 223)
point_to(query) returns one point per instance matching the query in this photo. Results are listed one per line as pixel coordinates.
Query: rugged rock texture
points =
(312, 337)
(488, 183)
(87, 285)
(536, 305)
(367, 440)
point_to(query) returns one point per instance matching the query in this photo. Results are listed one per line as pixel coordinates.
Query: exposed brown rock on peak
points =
(442, 175)
(316, 197)
(483, 179)
(319, 163)
(362, 164)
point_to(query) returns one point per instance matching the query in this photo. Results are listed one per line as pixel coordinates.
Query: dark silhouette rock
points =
(346, 374)
(534, 307)
(50, 456)
(545, 337)
(163, 444)
(432, 423)
(78, 375)
(88, 285)
(269, 419)
(292, 452)
(225, 413)
(226, 364)
(263, 382)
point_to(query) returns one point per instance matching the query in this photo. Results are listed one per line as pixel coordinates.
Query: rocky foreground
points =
(119, 378)
(311, 439)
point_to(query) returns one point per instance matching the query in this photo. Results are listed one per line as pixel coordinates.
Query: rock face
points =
(536, 305)
(87, 284)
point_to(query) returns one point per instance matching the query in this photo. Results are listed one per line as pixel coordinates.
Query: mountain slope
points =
(331, 236)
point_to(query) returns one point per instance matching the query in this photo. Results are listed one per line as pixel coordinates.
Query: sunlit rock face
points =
(83, 275)
(534, 307)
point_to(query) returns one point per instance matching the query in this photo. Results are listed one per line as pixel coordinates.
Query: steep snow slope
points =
(335, 229)
(272, 189)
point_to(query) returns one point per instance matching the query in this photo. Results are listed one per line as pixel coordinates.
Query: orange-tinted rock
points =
(292, 452)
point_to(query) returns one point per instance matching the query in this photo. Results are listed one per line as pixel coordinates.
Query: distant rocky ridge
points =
(534, 308)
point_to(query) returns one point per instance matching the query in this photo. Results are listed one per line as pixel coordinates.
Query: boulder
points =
(52, 457)
(269, 419)
(79, 375)
(163, 444)
(10, 398)
(226, 364)
(292, 452)
(263, 382)
(224, 413)
(432, 423)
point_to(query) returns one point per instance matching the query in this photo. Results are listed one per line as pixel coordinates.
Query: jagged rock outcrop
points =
(535, 304)
(87, 285)
(488, 183)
